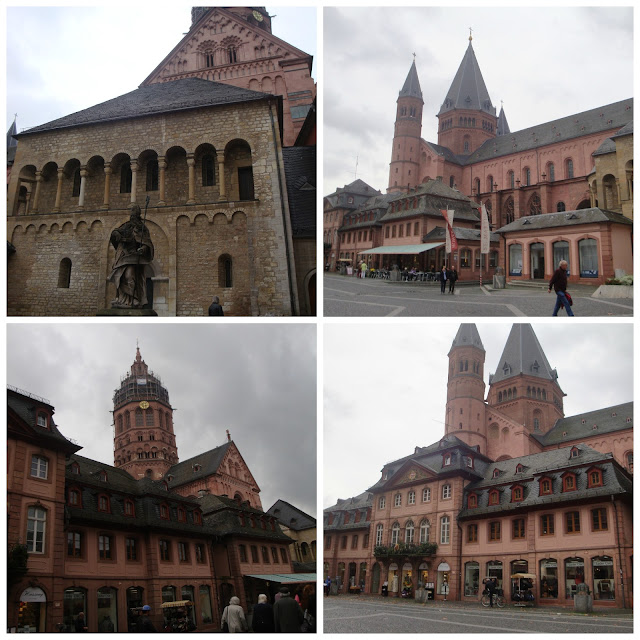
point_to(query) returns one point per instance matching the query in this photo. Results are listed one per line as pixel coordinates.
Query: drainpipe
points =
(615, 509)
(282, 190)
(460, 551)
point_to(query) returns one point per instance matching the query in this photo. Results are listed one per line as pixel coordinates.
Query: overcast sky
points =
(64, 59)
(257, 380)
(385, 387)
(544, 63)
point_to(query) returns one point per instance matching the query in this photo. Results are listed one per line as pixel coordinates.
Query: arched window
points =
(465, 258)
(588, 255)
(379, 533)
(569, 168)
(225, 271)
(139, 418)
(64, 273)
(535, 207)
(395, 533)
(208, 171)
(515, 260)
(233, 57)
(511, 179)
(560, 207)
(409, 530)
(527, 176)
(425, 529)
(208, 57)
(509, 211)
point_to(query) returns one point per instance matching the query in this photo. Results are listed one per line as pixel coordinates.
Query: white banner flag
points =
(484, 230)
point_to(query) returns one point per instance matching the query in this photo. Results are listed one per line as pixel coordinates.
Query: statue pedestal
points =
(127, 313)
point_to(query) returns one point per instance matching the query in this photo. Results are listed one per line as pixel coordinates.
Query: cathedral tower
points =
(467, 118)
(465, 389)
(405, 154)
(525, 387)
(144, 442)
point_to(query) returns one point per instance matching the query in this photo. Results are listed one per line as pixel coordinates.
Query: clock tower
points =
(144, 442)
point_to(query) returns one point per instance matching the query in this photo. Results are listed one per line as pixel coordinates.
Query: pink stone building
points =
(513, 487)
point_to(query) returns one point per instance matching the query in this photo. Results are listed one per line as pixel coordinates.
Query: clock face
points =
(144, 404)
(258, 16)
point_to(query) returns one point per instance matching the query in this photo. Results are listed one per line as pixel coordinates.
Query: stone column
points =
(36, 197)
(592, 195)
(107, 184)
(223, 190)
(56, 208)
(619, 192)
(162, 165)
(134, 180)
(83, 185)
(191, 163)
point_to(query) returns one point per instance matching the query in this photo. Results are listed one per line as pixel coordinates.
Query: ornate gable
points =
(410, 473)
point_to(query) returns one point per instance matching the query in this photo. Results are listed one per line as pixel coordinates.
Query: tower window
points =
(76, 183)
(208, 171)
(209, 59)
(152, 175)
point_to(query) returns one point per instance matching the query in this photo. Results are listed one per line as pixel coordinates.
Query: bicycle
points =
(500, 601)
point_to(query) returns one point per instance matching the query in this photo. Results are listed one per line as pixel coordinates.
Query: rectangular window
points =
(599, 519)
(183, 552)
(265, 555)
(243, 552)
(327, 542)
(547, 525)
(164, 550)
(408, 228)
(494, 531)
(254, 553)
(393, 231)
(386, 232)
(354, 541)
(426, 495)
(573, 521)
(472, 533)
(365, 541)
(36, 526)
(131, 545)
(74, 544)
(446, 491)
(274, 555)
(39, 467)
(415, 228)
(104, 547)
(518, 528)
(283, 555)
(444, 530)
(343, 543)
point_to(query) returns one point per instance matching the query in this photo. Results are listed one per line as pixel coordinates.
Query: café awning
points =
(176, 603)
(285, 578)
(403, 248)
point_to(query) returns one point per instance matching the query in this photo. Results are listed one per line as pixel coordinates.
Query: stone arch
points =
(220, 218)
(207, 184)
(148, 174)
(119, 197)
(48, 187)
(238, 164)
(94, 191)
(610, 192)
(176, 176)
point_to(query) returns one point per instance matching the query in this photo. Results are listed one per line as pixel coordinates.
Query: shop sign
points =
(603, 563)
(497, 565)
(33, 594)
(550, 564)
(444, 566)
(575, 563)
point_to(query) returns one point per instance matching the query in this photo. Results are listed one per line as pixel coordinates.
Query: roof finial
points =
(470, 36)
(228, 436)
(414, 57)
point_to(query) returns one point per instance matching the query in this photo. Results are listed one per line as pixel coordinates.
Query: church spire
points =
(411, 87)
(503, 126)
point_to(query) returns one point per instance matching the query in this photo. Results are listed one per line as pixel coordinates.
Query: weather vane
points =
(470, 34)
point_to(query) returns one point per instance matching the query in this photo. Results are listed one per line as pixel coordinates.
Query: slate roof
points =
(468, 90)
(300, 175)
(607, 146)
(467, 336)
(164, 97)
(523, 355)
(608, 420)
(25, 405)
(438, 233)
(209, 461)
(291, 516)
(411, 87)
(502, 127)
(360, 503)
(564, 219)
(625, 131)
(551, 464)
(445, 152)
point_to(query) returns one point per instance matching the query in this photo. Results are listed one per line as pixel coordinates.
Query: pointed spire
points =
(467, 336)
(468, 90)
(411, 88)
(13, 129)
(503, 126)
(523, 355)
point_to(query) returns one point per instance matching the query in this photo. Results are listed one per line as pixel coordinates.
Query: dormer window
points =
(197, 517)
(129, 508)
(494, 497)
(75, 469)
(545, 487)
(473, 501)
(103, 476)
(569, 482)
(75, 498)
(196, 468)
(446, 461)
(594, 478)
(517, 494)
(182, 514)
(104, 503)
(469, 462)
(496, 473)
(574, 453)
(519, 468)
(164, 511)
(41, 420)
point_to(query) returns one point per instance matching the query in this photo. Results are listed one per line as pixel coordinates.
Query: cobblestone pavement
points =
(373, 614)
(352, 297)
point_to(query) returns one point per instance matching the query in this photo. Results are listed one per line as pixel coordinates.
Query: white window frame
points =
(379, 534)
(382, 503)
(41, 467)
(446, 491)
(395, 533)
(36, 532)
(409, 532)
(445, 530)
(425, 531)
(426, 494)
(411, 498)
(397, 500)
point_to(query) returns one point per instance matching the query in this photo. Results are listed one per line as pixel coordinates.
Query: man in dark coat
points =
(453, 276)
(262, 621)
(559, 283)
(216, 308)
(491, 588)
(146, 626)
(287, 613)
(444, 274)
(80, 623)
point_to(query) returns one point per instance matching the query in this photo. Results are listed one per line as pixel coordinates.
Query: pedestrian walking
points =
(80, 623)
(233, 617)
(491, 588)
(443, 279)
(146, 626)
(363, 269)
(215, 309)
(453, 277)
(262, 621)
(327, 586)
(287, 613)
(559, 283)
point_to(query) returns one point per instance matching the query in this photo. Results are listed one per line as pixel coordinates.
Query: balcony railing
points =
(404, 549)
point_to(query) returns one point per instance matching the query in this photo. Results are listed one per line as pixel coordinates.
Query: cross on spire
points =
(414, 56)
(470, 34)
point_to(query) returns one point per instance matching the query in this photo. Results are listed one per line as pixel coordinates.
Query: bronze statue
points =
(134, 253)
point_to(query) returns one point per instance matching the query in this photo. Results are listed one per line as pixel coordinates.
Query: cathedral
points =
(514, 487)
(561, 190)
(182, 536)
(217, 146)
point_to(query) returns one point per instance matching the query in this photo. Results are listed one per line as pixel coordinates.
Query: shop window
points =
(205, 604)
(574, 575)
(471, 578)
(548, 578)
(465, 258)
(107, 613)
(588, 256)
(603, 578)
(74, 601)
(515, 260)
(472, 533)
